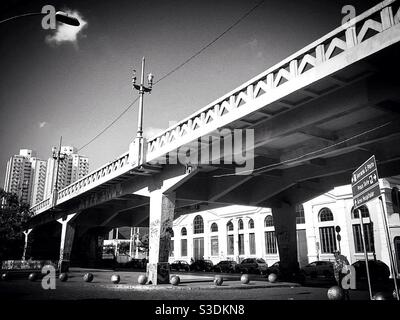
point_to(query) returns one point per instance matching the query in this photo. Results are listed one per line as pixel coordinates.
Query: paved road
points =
(195, 286)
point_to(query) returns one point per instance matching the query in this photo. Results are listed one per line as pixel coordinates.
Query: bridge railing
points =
(93, 179)
(350, 34)
(376, 20)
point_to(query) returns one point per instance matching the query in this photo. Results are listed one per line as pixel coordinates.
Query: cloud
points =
(151, 132)
(42, 124)
(67, 33)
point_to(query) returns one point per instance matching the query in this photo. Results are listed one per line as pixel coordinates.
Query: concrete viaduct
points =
(309, 121)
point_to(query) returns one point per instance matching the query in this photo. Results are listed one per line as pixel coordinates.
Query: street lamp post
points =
(60, 17)
(58, 156)
(142, 89)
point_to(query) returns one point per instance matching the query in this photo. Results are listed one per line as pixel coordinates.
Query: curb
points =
(205, 287)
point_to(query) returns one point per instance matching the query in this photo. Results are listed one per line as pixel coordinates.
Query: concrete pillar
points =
(27, 246)
(285, 230)
(162, 208)
(67, 238)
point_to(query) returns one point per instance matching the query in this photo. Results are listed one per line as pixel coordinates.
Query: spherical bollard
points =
(115, 278)
(272, 277)
(88, 277)
(245, 279)
(5, 276)
(175, 280)
(218, 280)
(335, 293)
(142, 279)
(379, 296)
(32, 276)
(63, 277)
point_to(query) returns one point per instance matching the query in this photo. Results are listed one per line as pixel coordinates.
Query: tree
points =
(13, 217)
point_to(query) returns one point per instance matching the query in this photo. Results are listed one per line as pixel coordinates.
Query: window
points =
(325, 214)
(268, 221)
(183, 247)
(198, 225)
(171, 251)
(241, 244)
(364, 212)
(214, 227)
(369, 237)
(240, 224)
(214, 245)
(230, 244)
(251, 224)
(270, 242)
(183, 232)
(229, 226)
(396, 200)
(300, 214)
(171, 232)
(327, 239)
(252, 242)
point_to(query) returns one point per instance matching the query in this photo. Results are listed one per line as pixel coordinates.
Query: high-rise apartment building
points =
(71, 168)
(20, 174)
(38, 180)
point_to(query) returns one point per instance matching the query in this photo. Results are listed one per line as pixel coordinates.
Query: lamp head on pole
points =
(134, 77)
(150, 79)
(67, 19)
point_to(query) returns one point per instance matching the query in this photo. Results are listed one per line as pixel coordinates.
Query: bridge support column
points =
(162, 208)
(27, 245)
(67, 239)
(285, 230)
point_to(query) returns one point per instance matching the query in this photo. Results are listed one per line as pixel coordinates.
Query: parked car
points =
(202, 265)
(319, 269)
(274, 269)
(225, 266)
(252, 265)
(179, 265)
(378, 270)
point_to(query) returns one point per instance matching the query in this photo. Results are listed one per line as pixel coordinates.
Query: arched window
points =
(198, 225)
(300, 214)
(240, 224)
(364, 212)
(251, 224)
(214, 227)
(229, 226)
(368, 230)
(268, 221)
(183, 232)
(325, 214)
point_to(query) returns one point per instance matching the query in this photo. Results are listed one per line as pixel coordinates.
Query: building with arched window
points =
(238, 232)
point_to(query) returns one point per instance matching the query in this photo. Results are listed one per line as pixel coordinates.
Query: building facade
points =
(238, 232)
(71, 168)
(38, 180)
(20, 174)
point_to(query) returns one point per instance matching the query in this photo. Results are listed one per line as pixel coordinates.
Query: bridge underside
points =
(305, 145)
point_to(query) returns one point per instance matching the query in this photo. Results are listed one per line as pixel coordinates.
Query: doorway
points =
(198, 248)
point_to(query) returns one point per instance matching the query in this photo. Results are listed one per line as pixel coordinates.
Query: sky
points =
(72, 82)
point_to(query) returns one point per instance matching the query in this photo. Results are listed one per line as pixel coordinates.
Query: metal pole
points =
(141, 94)
(130, 244)
(365, 253)
(55, 191)
(391, 257)
(136, 243)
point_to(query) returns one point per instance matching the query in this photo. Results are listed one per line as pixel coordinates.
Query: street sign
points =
(365, 183)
